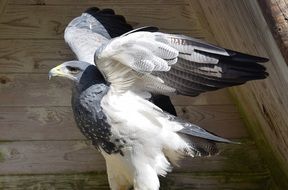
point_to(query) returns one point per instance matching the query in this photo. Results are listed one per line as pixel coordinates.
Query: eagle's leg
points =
(129, 170)
(119, 175)
(145, 177)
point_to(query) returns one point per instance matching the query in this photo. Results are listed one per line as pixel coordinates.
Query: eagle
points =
(119, 71)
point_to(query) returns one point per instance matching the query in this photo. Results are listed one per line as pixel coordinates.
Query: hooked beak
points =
(60, 71)
(56, 71)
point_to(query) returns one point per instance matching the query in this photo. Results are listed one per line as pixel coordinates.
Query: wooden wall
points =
(264, 104)
(40, 146)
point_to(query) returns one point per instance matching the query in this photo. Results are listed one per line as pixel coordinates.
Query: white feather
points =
(147, 132)
(138, 50)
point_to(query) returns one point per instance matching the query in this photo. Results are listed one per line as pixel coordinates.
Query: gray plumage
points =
(88, 114)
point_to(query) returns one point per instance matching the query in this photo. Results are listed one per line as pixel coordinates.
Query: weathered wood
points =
(276, 14)
(49, 157)
(3, 4)
(207, 98)
(89, 181)
(96, 3)
(264, 103)
(240, 159)
(53, 182)
(34, 23)
(36, 89)
(190, 181)
(38, 123)
(32, 56)
(57, 123)
(36, 157)
(222, 120)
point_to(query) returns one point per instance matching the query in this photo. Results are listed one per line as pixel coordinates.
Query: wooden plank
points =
(232, 159)
(53, 182)
(93, 3)
(49, 22)
(185, 181)
(36, 157)
(264, 103)
(49, 157)
(276, 14)
(223, 120)
(3, 4)
(190, 181)
(52, 123)
(38, 123)
(37, 90)
(32, 56)
(208, 98)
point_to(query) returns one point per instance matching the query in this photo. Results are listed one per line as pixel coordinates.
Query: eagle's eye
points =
(73, 70)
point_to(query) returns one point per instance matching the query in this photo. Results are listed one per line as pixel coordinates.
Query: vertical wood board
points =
(240, 25)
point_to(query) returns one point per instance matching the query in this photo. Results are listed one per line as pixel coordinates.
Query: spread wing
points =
(166, 63)
(86, 33)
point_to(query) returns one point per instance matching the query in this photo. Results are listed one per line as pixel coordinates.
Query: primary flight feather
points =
(114, 79)
(167, 63)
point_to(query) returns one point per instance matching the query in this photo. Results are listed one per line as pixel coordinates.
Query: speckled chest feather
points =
(90, 118)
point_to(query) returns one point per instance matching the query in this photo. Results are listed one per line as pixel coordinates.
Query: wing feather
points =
(207, 66)
(187, 65)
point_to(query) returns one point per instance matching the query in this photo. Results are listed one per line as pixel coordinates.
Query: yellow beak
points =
(60, 71)
(56, 71)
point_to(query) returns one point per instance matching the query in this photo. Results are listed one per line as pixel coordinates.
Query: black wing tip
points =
(238, 56)
(263, 59)
(115, 25)
(143, 29)
(242, 71)
(149, 28)
(92, 10)
(95, 11)
(262, 75)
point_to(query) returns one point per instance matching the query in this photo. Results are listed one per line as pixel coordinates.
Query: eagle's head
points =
(82, 73)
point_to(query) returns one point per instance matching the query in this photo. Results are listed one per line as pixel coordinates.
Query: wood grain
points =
(190, 181)
(49, 157)
(38, 157)
(38, 123)
(34, 23)
(32, 56)
(276, 15)
(3, 4)
(36, 89)
(264, 103)
(186, 181)
(223, 120)
(208, 98)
